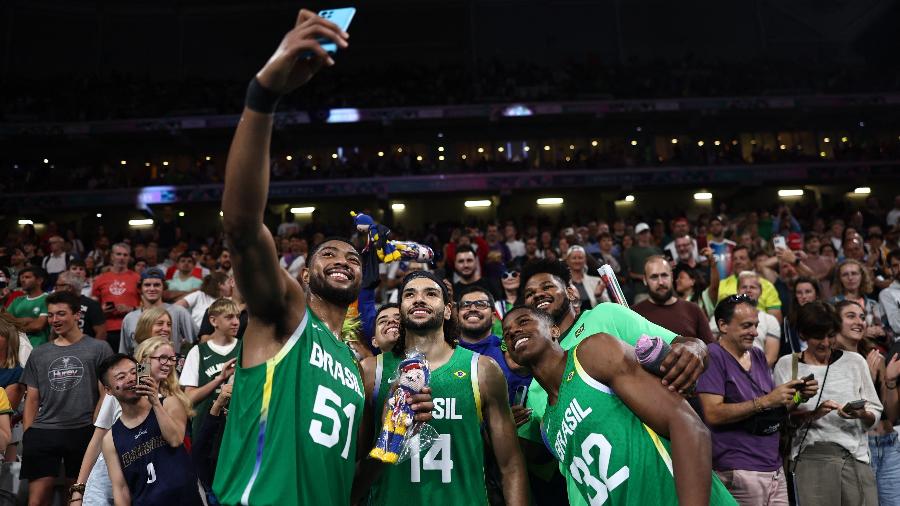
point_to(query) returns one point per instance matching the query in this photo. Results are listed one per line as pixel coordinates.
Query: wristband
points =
(261, 99)
(888, 385)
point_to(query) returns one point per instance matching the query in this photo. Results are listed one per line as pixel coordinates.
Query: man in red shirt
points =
(117, 292)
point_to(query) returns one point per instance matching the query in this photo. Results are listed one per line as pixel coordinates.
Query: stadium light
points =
(703, 196)
(629, 198)
(123, 162)
(303, 210)
(398, 207)
(674, 141)
(441, 149)
(208, 158)
(167, 163)
(546, 148)
(634, 142)
(717, 143)
(26, 222)
(550, 201)
(790, 193)
(381, 153)
(181, 214)
(827, 140)
(862, 190)
(140, 223)
(46, 160)
(99, 215)
(221, 214)
(594, 143)
(477, 203)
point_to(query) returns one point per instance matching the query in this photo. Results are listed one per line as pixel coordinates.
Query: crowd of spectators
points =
(40, 175)
(127, 96)
(800, 310)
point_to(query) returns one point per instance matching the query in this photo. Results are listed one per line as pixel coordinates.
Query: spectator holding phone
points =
(830, 440)
(144, 449)
(744, 409)
(160, 357)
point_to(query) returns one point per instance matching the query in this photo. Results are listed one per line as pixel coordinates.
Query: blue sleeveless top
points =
(156, 473)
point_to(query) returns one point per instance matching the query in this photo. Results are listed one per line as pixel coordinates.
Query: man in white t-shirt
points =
(209, 365)
(516, 247)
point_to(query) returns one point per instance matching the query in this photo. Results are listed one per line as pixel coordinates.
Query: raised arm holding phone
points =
(295, 420)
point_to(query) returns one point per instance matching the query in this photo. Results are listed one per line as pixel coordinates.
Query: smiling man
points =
(387, 327)
(545, 286)
(649, 444)
(469, 393)
(475, 318)
(295, 419)
(63, 390)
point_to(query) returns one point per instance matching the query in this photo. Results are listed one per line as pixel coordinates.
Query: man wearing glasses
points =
(210, 364)
(475, 322)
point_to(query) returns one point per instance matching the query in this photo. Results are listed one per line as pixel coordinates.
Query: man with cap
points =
(151, 288)
(635, 258)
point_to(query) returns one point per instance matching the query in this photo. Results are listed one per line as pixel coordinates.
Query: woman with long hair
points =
(805, 290)
(853, 282)
(830, 439)
(154, 322)
(159, 354)
(883, 443)
(11, 370)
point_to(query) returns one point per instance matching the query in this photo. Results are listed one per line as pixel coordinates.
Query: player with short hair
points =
(622, 435)
(469, 393)
(295, 419)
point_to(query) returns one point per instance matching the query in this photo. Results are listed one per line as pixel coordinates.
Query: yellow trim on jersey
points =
(476, 392)
(663, 453)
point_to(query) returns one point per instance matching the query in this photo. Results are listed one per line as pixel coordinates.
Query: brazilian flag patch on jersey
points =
(460, 374)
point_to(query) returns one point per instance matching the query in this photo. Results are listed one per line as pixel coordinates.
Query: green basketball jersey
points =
(292, 424)
(611, 455)
(211, 364)
(451, 472)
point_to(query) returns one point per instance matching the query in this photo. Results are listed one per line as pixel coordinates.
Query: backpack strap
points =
(795, 360)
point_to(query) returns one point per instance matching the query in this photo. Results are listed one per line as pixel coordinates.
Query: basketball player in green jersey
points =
(298, 400)
(545, 284)
(469, 394)
(625, 438)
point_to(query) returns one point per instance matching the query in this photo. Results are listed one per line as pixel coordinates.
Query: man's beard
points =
(661, 299)
(560, 312)
(435, 322)
(467, 277)
(476, 332)
(341, 297)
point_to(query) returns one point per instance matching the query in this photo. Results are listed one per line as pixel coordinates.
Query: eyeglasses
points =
(740, 297)
(167, 359)
(477, 304)
(510, 275)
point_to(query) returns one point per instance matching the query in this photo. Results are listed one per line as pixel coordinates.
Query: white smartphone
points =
(779, 242)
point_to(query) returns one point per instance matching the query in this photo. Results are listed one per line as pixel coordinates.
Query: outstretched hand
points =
(300, 56)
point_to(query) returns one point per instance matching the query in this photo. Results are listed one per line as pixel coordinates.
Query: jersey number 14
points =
(437, 458)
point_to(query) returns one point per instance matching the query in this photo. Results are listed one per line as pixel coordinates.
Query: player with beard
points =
(298, 402)
(649, 445)
(665, 309)
(470, 395)
(546, 286)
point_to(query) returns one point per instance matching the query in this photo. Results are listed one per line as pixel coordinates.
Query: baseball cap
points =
(641, 227)
(153, 272)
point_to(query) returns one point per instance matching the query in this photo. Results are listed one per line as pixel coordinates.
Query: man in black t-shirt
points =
(91, 321)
